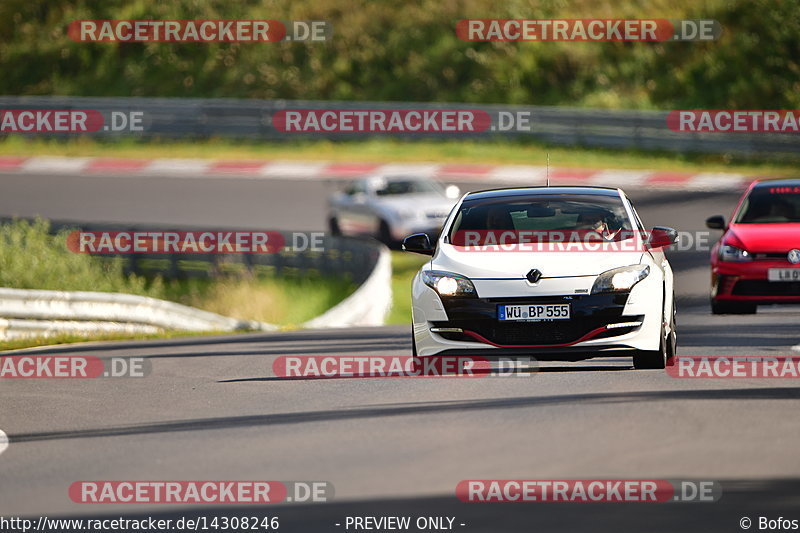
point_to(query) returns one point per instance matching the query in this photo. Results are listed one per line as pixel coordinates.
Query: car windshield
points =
(770, 205)
(552, 214)
(395, 187)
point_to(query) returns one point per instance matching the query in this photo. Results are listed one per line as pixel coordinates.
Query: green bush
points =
(397, 50)
(32, 258)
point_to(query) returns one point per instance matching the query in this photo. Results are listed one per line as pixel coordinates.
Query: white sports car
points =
(390, 207)
(543, 297)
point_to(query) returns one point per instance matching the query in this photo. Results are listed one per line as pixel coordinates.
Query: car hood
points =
(764, 237)
(515, 264)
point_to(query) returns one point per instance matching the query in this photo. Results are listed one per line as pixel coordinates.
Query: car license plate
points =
(783, 274)
(533, 313)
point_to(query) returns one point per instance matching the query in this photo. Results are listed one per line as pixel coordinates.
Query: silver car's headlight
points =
(448, 284)
(734, 254)
(620, 279)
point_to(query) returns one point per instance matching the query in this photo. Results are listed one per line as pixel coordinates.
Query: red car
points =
(757, 259)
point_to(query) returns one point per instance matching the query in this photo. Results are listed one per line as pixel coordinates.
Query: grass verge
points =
(18, 344)
(33, 258)
(388, 150)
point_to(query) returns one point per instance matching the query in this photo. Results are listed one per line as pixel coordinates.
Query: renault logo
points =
(794, 256)
(533, 276)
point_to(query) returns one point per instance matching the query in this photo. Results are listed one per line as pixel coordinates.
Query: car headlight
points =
(448, 284)
(620, 279)
(732, 253)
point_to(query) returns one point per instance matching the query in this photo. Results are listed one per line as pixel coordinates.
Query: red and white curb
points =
(311, 170)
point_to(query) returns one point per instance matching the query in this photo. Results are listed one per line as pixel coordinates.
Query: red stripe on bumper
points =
(484, 340)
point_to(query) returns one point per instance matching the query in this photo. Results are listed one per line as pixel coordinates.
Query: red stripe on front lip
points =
(586, 337)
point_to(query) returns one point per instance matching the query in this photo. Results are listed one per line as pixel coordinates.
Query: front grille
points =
(752, 287)
(479, 315)
(771, 256)
(537, 332)
(532, 333)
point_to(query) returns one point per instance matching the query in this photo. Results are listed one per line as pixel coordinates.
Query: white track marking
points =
(56, 165)
(179, 167)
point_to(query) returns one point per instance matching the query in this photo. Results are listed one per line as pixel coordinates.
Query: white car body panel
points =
(564, 274)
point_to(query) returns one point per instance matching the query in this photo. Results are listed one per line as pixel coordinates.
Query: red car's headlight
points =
(734, 254)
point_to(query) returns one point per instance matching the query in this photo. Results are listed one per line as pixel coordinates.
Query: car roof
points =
(788, 182)
(528, 191)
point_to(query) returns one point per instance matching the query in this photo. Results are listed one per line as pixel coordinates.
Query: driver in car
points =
(596, 221)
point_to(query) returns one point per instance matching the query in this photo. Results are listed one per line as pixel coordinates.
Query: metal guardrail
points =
(368, 306)
(187, 118)
(30, 312)
(27, 313)
(343, 257)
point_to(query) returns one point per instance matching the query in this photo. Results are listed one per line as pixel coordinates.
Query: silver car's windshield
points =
(396, 187)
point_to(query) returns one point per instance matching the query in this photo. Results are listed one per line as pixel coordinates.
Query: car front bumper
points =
(749, 282)
(598, 323)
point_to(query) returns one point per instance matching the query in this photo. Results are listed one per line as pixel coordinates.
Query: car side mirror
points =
(419, 243)
(715, 222)
(661, 237)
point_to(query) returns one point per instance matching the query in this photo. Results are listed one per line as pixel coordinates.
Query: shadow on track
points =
(349, 335)
(386, 410)
(479, 372)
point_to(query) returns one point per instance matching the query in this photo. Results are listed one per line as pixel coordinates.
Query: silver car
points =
(391, 207)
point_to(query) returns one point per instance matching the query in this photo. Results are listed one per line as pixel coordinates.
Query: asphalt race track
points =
(212, 408)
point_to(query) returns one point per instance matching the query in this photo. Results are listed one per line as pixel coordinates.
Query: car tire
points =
(413, 342)
(385, 234)
(672, 340)
(333, 227)
(651, 360)
(658, 359)
(733, 308)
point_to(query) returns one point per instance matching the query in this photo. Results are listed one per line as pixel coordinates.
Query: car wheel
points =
(385, 234)
(333, 227)
(413, 342)
(655, 359)
(672, 344)
(733, 308)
